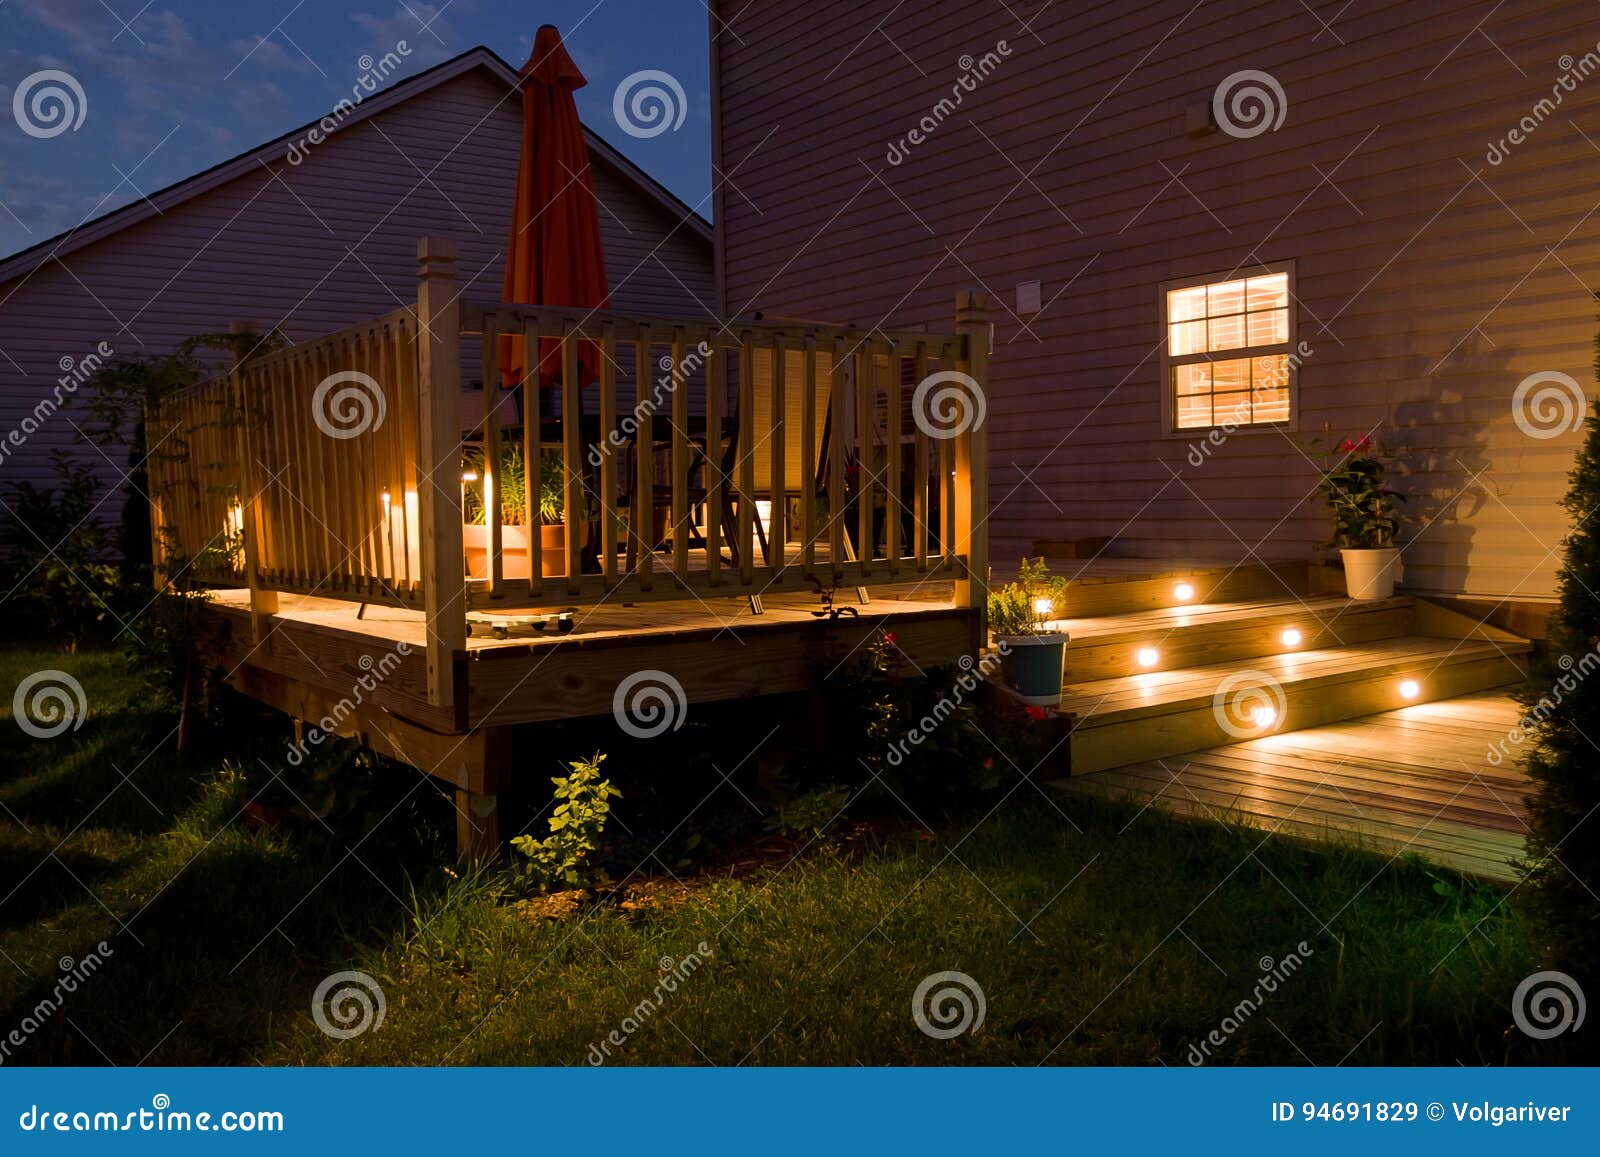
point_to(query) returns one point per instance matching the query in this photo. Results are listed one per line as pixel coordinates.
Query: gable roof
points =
(99, 228)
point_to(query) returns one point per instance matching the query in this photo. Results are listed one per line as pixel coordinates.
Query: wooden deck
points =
(1416, 780)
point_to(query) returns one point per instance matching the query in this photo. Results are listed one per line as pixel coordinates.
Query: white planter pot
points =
(1371, 574)
(1032, 665)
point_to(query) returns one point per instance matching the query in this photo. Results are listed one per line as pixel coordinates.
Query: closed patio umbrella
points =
(554, 255)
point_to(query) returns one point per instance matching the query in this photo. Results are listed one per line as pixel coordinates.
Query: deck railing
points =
(687, 460)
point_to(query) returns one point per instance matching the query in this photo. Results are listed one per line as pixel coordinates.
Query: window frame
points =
(1169, 395)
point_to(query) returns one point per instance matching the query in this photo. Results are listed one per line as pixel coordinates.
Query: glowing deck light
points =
(1291, 637)
(1264, 716)
(1042, 606)
(1410, 688)
(1183, 592)
(1148, 656)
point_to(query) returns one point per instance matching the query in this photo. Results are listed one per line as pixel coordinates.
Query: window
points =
(1228, 347)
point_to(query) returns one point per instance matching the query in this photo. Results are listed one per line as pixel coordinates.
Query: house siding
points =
(1426, 288)
(319, 246)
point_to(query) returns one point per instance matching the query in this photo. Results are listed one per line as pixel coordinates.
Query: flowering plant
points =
(1364, 509)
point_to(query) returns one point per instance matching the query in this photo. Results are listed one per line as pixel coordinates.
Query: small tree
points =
(1563, 701)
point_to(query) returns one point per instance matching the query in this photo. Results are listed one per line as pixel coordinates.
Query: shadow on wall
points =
(1448, 480)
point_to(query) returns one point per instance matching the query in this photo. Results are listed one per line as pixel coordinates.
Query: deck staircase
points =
(1166, 659)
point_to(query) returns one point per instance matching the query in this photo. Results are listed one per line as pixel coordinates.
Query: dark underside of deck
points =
(1418, 780)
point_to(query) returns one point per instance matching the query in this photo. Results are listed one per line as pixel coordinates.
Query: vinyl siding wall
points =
(321, 246)
(1430, 283)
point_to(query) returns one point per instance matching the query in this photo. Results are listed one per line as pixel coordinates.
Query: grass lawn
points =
(1099, 934)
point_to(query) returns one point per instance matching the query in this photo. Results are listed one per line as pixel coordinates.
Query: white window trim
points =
(1169, 401)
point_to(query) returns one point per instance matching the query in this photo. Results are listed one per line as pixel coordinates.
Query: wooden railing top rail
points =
(590, 324)
(290, 354)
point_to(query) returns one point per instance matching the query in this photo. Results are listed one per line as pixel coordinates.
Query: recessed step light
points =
(1183, 592)
(1148, 656)
(1410, 688)
(1291, 637)
(1264, 716)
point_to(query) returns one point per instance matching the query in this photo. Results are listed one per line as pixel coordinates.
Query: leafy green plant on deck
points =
(561, 859)
(1012, 606)
(1354, 482)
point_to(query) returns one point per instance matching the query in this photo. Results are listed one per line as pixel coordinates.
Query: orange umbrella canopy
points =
(554, 256)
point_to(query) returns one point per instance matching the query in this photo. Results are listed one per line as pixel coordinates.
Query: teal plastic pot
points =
(1032, 665)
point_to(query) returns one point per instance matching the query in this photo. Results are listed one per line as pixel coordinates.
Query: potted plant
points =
(1365, 513)
(1032, 652)
(511, 482)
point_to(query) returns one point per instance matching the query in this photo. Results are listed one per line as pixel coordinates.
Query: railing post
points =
(252, 522)
(439, 459)
(972, 465)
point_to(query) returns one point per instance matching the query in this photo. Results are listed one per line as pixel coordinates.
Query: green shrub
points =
(561, 859)
(1011, 607)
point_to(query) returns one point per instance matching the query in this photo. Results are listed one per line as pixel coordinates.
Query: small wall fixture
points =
(1410, 688)
(1183, 592)
(1291, 637)
(1264, 716)
(1148, 656)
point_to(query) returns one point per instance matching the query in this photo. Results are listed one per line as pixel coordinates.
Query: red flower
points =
(1037, 714)
(889, 637)
(1346, 446)
(1364, 444)
(988, 764)
(924, 836)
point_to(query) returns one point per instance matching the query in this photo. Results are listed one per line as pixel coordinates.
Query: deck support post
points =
(488, 765)
(972, 466)
(263, 602)
(439, 461)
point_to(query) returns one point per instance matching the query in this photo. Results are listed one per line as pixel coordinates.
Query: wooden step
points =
(1133, 718)
(1191, 636)
(1105, 586)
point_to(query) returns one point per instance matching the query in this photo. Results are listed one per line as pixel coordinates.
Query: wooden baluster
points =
(745, 463)
(317, 443)
(777, 437)
(608, 453)
(572, 457)
(490, 479)
(439, 410)
(837, 393)
(972, 468)
(893, 505)
(644, 509)
(716, 395)
(919, 463)
(808, 463)
(865, 456)
(532, 457)
(680, 460)
(947, 474)
(411, 448)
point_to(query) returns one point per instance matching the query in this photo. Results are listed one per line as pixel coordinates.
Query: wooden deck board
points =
(1412, 780)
